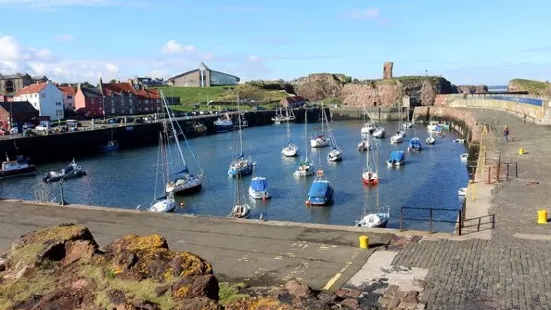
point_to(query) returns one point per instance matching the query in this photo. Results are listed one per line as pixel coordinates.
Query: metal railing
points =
(459, 221)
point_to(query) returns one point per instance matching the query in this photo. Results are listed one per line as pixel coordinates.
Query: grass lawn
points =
(193, 95)
(532, 87)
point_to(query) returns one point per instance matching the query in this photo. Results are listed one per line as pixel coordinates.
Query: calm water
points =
(127, 179)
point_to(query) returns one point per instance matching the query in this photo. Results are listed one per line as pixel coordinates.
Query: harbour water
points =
(127, 179)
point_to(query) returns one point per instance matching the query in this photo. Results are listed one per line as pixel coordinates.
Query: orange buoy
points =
(263, 198)
(307, 203)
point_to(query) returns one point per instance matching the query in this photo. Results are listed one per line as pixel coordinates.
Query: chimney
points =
(387, 70)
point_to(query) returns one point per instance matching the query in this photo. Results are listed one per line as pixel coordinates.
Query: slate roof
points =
(91, 92)
(18, 107)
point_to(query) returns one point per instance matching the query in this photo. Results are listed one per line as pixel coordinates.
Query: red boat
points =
(18, 167)
(370, 178)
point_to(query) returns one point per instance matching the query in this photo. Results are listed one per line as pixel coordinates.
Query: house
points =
(203, 77)
(10, 84)
(89, 101)
(45, 97)
(126, 99)
(68, 96)
(16, 112)
(293, 102)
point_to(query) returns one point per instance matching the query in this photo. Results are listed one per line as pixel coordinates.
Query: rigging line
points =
(157, 170)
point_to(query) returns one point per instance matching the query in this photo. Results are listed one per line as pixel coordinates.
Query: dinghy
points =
(430, 140)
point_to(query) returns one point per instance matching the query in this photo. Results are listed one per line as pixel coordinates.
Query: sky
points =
(467, 42)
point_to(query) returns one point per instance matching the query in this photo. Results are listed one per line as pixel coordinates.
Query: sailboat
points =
(240, 165)
(379, 133)
(290, 150)
(320, 140)
(368, 127)
(306, 167)
(369, 176)
(336, 153)
(111, 146)
(241, 208)
(399, 136)
(364, 145)
(430, 140)
(185, 182)
(278, 117)
(378, 218)
(408, 123)
(321, 191)
(165, 203)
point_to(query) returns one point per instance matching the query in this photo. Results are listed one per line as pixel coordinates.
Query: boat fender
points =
(307, 203)
(181, 204)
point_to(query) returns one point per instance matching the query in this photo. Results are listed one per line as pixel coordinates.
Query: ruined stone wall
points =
(387, 70)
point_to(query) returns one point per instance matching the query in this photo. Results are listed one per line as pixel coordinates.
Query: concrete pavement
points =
(239, 250)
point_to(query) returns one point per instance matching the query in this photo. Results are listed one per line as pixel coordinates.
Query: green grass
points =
(230, 291)
(23, 288)
(192, 95)
(533, 87)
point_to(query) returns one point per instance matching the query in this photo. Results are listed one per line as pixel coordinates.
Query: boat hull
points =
(240, 211)
(233, 172)
(223, 128)
(72, 175)
(109, 148)
(289, 151)
(430, 141)
(166, 205)
(319, 142)
(29, 170)
(334, 156)
(381, 224)
(321, 201)
(372, 181)
(394, 163)
(184, 189)
(259, 194)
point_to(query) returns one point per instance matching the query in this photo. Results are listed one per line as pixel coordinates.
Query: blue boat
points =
(259, 188)
(223, 124)
(397, 158)
(415, 145)
(111, 146)
(321, 191)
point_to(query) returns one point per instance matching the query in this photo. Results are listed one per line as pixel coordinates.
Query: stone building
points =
(387, 70)
(10, 84)
(203, 77)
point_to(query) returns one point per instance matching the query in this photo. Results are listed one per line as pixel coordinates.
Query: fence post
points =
(461, 215)
(498, 166)
(516, 170)
(430, 220)
(493, 221)
(478, 227)
(489, 174)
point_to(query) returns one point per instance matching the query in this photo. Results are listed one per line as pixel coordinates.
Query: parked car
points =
(41, 128)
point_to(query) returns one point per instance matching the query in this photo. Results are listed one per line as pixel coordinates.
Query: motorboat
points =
(163, 204)
(223, 124)
(407, 125)
(415, 145)
(111, 146)
(460, 141)
(18, 167)
(259, 188)
(199, 129)
(464, 156)
(364, 145)
(397, 138)
(462, 191)
(72, 171)
(377, 219)
(379, 133)
(321, 191)
(368, 128)
(397, 158)
(290, 150)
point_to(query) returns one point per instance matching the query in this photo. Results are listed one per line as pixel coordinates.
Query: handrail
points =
(459, 220)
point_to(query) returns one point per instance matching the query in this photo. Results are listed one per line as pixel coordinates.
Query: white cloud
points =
(368, 13)
(16, 57)
(112, 68)
(64, 37)
(172, 47)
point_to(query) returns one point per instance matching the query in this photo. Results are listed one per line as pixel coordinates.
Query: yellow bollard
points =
(521, 151)
(364, 242)
(542, 216)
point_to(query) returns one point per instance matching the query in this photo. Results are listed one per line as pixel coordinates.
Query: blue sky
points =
(468, 42)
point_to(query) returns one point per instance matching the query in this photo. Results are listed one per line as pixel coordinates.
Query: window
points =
(146, 108)
(35, 95)
(58, 103)
(69, 97)
(9, 86)
(146, 101)
(59, 113)
(43, 96)
(112, 110)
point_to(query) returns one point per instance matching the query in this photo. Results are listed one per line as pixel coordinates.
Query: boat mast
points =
(239, 122)
(306, 133)
(288, 129)
(377, 171)
(173, 130)
(322, 114)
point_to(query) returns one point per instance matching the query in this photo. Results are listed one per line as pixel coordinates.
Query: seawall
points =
(378, 114)
(59, 147)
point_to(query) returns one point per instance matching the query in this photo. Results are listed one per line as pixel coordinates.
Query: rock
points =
(79, 284)
(411, 297)
(62, 232)
(2, 265)
(327, 297)
(198, 303)
(256, 304)
(297, 289)
(310, 304)
(65, 299)
(161, 290)
(351, 303)
(283, 296)
(138, 305)
(199, 286)
(342, 292)
(116, 297)
(394, 302)
(391, 290)
(79, 250)
(354, 293)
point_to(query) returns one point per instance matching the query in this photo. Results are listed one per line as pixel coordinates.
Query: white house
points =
(68, 96)
(45, 97)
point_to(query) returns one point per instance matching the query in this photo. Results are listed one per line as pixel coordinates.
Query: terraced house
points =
(45, 97)
(127, 99)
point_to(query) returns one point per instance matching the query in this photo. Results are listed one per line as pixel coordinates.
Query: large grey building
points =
(203, 77)
(11, 84)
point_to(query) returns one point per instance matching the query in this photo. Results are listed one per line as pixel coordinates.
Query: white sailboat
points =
(306, 167)
(378, 217)
(320, 140)
(240, 165)
(370, 175)
(364, 145)
(408, 123)
(399, 136)
(240, 209)
(290, 150)
(185, 182)
(165, 203)
(336, 153)
(379, 133)
(430, 139)
(368, 127)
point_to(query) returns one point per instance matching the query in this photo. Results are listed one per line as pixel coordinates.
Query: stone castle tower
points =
(387, 70)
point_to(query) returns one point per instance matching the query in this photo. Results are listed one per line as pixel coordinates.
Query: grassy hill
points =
(538, 88)
(193, 95)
